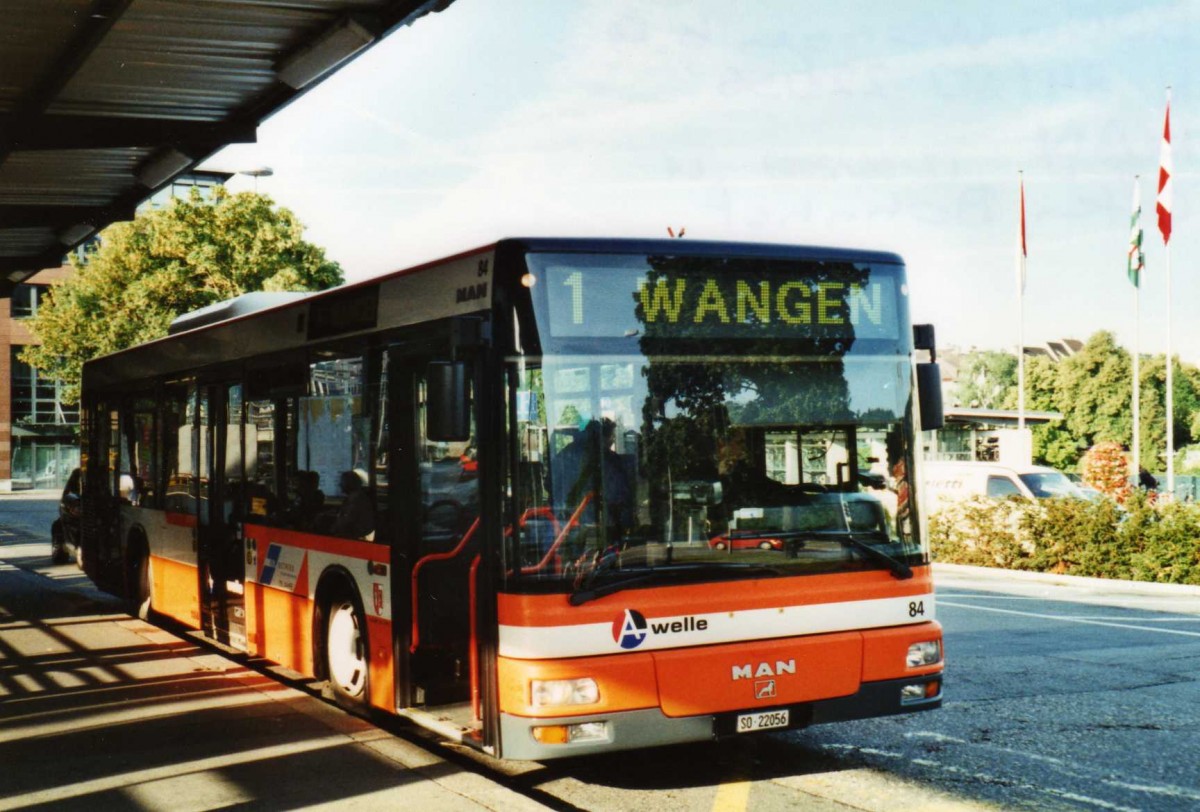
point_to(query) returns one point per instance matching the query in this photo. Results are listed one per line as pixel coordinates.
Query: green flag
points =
(1137, 260)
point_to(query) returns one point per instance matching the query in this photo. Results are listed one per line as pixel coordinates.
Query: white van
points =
(958, 480)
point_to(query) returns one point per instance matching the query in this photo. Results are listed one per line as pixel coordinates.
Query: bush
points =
(981, 531)
(1140, 542)
(1106, 469)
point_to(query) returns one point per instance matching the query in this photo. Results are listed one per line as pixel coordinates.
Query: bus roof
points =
(704, 248)
(202, 337)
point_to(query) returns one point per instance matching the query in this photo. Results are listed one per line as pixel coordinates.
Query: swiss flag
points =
(1163, 206)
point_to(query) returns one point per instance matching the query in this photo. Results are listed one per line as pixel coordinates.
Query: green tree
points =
(166, 262)
(1094, 391)
(986, 379)
(1153, 406)
(1053, 442)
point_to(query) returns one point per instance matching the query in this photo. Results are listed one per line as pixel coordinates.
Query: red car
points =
(742, 542)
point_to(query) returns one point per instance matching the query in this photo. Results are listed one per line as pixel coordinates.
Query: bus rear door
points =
(219, 546)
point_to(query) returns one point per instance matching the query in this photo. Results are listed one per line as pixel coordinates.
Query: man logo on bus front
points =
(629, 629)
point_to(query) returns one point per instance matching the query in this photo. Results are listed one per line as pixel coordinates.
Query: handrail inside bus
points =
(473, 652)
(416, 634)
(562, 535)
(543, 512)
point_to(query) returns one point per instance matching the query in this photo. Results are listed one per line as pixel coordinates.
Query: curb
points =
(39, 494)
(1075, 581)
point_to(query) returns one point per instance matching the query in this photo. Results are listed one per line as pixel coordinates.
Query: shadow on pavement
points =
(100, 710)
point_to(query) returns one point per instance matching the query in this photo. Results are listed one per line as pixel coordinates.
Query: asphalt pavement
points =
(1062, 694)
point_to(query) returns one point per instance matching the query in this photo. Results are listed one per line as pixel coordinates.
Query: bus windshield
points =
(652, 453)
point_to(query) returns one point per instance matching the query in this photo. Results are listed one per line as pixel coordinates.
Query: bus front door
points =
(219, 543)
(435, 546)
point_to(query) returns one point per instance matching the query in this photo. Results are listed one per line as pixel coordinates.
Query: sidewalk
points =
(100, 710)
(1071, 588)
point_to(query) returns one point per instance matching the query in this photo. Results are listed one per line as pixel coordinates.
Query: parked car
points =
(64, 533)
(746, 542)
(956, 480)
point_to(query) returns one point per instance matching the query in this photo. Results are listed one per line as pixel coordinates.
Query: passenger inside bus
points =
(591, 465)
(306, 502)
(356, 516)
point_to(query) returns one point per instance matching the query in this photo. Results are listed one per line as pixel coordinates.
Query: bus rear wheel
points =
(58, 545)
(346, 653)
(138, 583)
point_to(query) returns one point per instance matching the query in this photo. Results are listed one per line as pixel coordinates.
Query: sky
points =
(890, 126)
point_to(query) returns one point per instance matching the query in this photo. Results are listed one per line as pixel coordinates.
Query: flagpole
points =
(1170, 389)
(1164, 207)
(1021, 254)
(1021, 355)
(1135, 264)
(1135, 464)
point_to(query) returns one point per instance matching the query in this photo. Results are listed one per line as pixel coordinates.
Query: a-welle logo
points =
(630, 629)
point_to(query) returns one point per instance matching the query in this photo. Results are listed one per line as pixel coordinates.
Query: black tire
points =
(345, 648)
(58, 547)
(138, 580)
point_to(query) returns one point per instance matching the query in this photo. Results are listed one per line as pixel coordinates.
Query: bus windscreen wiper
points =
(588, 593)
(897, 567)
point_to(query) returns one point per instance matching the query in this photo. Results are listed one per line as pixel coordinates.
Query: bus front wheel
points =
(346, 653)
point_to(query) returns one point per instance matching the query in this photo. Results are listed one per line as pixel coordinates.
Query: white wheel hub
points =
(345, 648)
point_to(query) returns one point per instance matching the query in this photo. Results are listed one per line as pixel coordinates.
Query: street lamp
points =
(256, 173)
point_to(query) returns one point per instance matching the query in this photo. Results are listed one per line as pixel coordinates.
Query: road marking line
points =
(1068, 619)
(733, 796)
(1066, 767)
(998, 777)
(1066, 598)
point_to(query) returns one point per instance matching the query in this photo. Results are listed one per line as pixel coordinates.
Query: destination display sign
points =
(730, 299)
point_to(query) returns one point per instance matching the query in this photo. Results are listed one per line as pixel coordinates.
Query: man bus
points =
(606, 494)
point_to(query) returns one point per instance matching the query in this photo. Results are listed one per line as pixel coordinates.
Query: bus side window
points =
(381, 439)
(178, 449)
(140, 445)
(262, 460)
(333, 440)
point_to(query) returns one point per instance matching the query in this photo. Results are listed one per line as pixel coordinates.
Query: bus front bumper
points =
(523, 738)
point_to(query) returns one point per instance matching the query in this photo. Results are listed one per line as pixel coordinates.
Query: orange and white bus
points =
(547, 497)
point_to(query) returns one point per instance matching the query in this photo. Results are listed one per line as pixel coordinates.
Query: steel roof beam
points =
(28, 215)
(93, 27)
(18, 269)
(90, 32)
(51, 132)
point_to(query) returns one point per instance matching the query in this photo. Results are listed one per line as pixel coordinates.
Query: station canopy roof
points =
(102, 102)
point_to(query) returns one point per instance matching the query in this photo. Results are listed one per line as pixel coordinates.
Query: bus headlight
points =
(926, 653)
(571, 734)
(549, 693)
(920, 692)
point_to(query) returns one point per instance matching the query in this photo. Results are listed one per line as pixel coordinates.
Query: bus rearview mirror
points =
(923, 338)
(929, 395)
(448, 407)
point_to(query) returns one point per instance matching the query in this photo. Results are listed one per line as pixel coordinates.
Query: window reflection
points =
(727, 461)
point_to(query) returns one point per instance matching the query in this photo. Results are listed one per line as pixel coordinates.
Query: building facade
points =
(39, 434)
